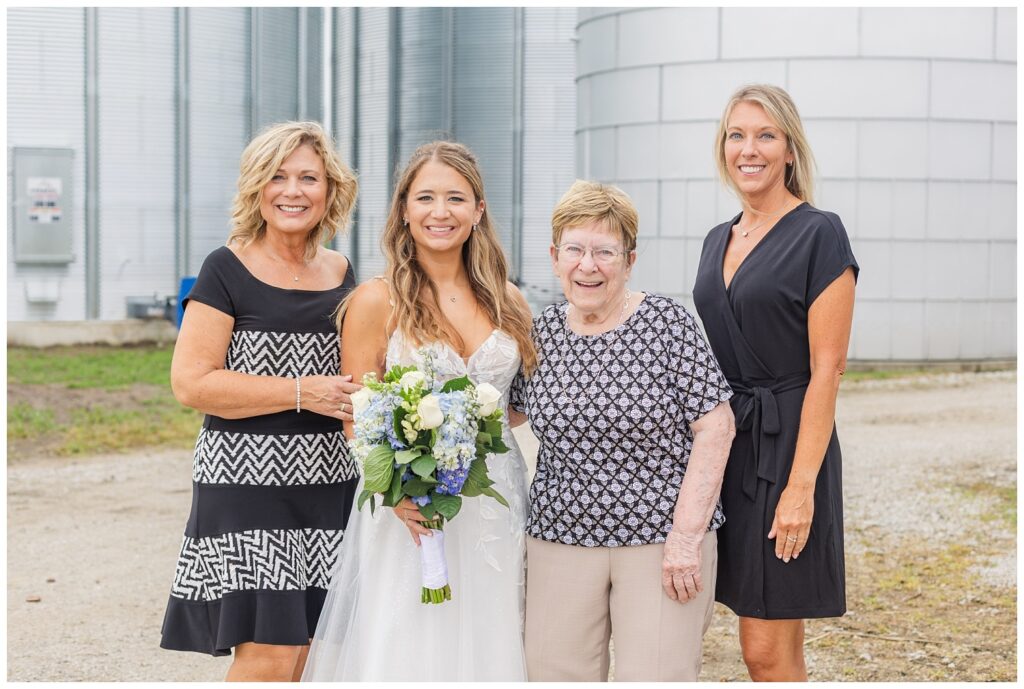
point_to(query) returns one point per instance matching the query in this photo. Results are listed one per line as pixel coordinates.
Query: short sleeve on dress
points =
(517, 393)
(832, 255)
(211, 287)
(702, 385)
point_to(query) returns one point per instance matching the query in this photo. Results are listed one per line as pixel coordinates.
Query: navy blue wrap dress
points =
(757, 329)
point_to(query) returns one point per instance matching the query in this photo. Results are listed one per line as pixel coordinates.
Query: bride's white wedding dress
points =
(373, 626)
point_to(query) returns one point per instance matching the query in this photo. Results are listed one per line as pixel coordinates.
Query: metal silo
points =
(405, 76)
(911, 115)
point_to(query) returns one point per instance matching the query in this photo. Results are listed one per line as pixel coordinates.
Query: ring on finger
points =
(792, 539)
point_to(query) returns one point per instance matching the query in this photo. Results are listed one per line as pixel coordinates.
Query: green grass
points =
(159, 421)
(885, 374)
(109, 421)
(1000, 501)
(107, 368)
(26, 421)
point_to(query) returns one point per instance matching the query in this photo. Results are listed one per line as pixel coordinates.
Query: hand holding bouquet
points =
(420, 439)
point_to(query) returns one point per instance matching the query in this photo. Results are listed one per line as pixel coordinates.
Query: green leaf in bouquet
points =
(396, 373)
(363, 497)
(428, 510)
(447, 505)
(378, 469)
(476, 479)
(423, 465)
(416, 487)
(406, 456)
(400, 414)
(460, 383)
(395, 494)
(483, 439)
(496, 495)
(498, 445)
(493, 428)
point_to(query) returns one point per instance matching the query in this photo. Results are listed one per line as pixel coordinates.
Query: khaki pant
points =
(577, 598)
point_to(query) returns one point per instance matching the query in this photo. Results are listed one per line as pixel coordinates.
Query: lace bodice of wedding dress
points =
(373, 626)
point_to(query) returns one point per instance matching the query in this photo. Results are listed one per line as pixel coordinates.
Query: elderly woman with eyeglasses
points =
(632, 414)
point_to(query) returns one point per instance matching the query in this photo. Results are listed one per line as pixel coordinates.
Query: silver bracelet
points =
(298, 394)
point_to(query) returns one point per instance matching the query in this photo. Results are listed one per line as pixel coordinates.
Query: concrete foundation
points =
(116, 333)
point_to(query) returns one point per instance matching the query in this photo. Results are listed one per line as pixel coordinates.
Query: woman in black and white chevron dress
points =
(259, 354)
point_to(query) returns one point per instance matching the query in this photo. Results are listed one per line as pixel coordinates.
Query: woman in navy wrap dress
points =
(775, 290)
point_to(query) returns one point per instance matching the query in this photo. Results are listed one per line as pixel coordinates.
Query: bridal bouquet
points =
(417, 438)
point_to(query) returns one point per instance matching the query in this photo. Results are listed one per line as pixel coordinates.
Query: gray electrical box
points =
(42, 201)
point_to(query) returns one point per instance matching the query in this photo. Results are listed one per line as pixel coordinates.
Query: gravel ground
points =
(95, 540)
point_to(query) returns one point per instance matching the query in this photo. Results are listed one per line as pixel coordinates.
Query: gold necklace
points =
(746, 232)
(295, 276)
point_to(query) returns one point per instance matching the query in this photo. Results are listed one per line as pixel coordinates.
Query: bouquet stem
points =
(436, 595)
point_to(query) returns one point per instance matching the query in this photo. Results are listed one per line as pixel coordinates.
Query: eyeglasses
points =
(604, 255)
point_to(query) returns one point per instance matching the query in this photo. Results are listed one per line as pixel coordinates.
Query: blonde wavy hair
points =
(262, 158)
(587, 202)
(416, 309)
(780, 108)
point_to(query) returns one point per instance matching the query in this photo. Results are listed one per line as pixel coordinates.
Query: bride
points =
(446, 289)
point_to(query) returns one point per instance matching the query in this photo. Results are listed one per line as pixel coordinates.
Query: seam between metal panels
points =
(182, 158)
(92, 181)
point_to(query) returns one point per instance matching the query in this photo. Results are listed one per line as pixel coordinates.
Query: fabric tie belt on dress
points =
(759, 412)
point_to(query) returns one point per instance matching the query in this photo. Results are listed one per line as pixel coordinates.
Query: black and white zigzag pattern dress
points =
(271, 494)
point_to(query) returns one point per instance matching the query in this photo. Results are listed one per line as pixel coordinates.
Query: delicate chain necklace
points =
(295, 277)
(744, 233)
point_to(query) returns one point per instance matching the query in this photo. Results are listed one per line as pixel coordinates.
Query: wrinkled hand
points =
(792, 524)
(410, 515)
(680, 569)
(329, 395)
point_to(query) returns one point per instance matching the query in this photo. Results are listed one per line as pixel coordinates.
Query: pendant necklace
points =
(744, 233)
(295, 276)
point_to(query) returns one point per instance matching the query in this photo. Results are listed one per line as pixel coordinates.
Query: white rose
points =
(361, 400)
(411, 379)
(429, 410)
(487, 395)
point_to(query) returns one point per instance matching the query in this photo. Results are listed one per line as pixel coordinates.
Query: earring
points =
(405, 222)
(474, 228)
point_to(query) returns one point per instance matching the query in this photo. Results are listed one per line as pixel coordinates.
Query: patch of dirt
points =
(930, 550)
(62, 402)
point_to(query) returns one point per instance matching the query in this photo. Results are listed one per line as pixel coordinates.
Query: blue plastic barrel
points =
(186, 287)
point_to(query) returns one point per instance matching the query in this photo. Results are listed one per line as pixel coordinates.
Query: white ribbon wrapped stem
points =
(433, 562)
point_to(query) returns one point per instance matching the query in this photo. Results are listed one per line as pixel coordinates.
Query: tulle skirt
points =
(373, 626)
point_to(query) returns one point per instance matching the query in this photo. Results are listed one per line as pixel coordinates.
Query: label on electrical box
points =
(44, 199)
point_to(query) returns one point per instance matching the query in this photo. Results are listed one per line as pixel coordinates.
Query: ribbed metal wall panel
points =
(218, 120)
(424, 84)
(343, 80)
(137, 155)
(482, 98)
(312, 51)
(45, 107)
(374, 117)
(277, 82)
(549, 125)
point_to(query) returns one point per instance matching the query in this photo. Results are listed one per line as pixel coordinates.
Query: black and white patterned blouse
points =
(613, 413)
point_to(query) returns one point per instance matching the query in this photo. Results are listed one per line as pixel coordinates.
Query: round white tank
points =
(911, 114)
